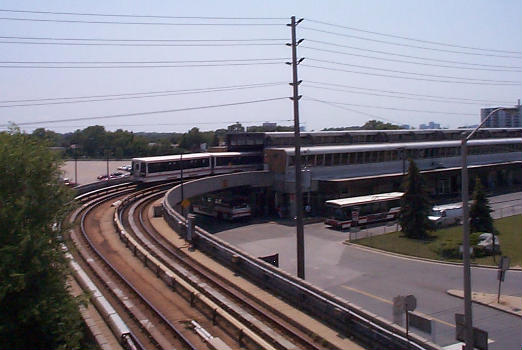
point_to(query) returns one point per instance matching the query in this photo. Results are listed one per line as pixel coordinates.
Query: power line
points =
(73, 119)
(409, 78)
(397, 54)
(383, 95)
(138, 45)
(135, 23)
(139, 16)
(143, 93)
(411, 39)
(406, 45)
(146, 62)
(412, 73)
(99, 98)
(175, 124)
(146, 66)
(139, 40)
(418, 63)
(398, 109)
(410, 94)
(350, 109)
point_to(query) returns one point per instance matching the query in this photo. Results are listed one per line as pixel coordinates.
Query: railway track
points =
(97, 250)
(204, 312)
(280, 331)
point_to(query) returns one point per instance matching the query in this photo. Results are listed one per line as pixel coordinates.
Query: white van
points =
(444, 215)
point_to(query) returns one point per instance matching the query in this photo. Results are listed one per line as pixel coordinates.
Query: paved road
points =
(371, 279)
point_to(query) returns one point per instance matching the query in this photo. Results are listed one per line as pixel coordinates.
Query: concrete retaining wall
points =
(338, 313)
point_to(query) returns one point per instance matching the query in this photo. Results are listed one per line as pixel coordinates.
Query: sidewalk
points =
(508, 303)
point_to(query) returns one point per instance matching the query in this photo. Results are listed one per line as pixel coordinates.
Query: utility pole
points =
(297, 136)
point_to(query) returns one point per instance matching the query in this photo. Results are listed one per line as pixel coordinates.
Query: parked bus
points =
(219, 207)
(353, 211)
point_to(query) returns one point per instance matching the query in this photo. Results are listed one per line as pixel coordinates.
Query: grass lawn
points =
(510, 236)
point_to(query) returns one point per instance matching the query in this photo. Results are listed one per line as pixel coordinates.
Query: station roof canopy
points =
(381, 197)
(392, 146)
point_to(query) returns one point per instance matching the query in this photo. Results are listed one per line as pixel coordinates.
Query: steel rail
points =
(157, 312)
(274, 317)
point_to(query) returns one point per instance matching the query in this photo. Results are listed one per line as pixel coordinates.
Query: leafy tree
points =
(480, 211)
(378, 125)
(369, 125)
(36, 309)
(415, 205)
(52, 137)
(192, 140)
(237, 127)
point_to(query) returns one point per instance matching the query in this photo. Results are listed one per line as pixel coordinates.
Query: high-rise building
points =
(430, 125)
(504, 118)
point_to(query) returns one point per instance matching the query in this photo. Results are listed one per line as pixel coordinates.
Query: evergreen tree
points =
(36, 309)
(415, 205)
(480, 212)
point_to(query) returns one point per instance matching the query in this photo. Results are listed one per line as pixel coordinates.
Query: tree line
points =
(94, 142)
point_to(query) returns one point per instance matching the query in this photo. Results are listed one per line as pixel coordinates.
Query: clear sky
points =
(351, 72)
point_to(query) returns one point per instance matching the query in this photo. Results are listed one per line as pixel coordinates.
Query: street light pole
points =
(468, 321)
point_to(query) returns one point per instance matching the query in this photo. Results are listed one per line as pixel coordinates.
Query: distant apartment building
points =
(504, 118)
(430, 125)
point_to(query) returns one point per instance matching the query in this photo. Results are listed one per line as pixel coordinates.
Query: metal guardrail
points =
(335, 311)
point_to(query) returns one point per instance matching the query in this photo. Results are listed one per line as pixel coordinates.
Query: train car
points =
(387, 158)
(164, 168)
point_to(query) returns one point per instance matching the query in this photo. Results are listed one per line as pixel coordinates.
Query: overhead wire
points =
(147, 62)
(175, 110)
(138, 16)
(112, 97)
(177, 124)
(411, 73)
(135, 23)
(350, 109)
(145, 66)
(213, 44)
(395, 54)
(409, 38)
(409, 78)
(398, 109)
(139, 40)
(214, 88)
(446, 98)
(420, 63)
(406, 45)
(305, 84)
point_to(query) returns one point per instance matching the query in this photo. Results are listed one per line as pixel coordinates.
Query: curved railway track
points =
(273, 326)
(207, 313)
(111, 266)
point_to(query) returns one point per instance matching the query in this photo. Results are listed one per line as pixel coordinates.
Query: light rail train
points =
(163, 168)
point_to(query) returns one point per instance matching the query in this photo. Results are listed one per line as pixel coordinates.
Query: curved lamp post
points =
(468, 323)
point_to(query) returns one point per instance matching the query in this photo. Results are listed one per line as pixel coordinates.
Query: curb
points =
(514, 313)
(411, 257)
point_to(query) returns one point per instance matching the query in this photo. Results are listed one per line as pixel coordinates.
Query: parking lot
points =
(89, 170)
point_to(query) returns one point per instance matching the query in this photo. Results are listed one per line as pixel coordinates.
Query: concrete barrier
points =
(348, 319)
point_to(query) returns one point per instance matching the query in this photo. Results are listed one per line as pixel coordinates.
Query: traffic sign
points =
(410, 302)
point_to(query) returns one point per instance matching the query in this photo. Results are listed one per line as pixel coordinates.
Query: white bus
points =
(353, 211)
(222, 208)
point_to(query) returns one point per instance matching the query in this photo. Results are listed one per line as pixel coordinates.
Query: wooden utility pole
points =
(297, 162)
